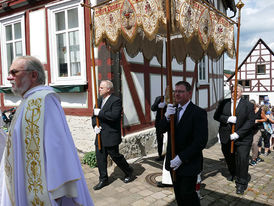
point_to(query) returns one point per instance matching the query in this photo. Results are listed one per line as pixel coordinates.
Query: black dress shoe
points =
(129, 177)
(160, 184)
(160, 158)
(240, 189)
(230, 178)
(100, 185)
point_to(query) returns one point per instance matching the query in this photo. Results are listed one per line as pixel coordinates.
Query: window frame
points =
(52, 9)
(257, 65)
(10, 20)
(202, 64)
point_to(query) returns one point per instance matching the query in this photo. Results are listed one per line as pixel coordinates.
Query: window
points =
(260, 69)
(13, 41)
(67, 45)
(202, 73)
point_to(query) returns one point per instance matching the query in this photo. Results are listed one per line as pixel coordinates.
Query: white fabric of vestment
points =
(3, 137)
(62, 166)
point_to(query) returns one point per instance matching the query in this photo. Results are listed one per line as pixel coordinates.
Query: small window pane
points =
(61, 52)
(261, 69)
(8, 33)
(73, 18)
(9, 54)
(18, 49)
(17, 31)
(74, 53)
(60, 21)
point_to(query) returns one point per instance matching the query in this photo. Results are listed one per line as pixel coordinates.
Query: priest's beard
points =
(19, 91)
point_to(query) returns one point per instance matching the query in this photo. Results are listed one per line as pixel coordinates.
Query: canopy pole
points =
(162, 93)
(94, 75)
(169, 74)
(239, 5)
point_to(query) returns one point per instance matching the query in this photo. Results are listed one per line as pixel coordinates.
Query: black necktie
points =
(178, 113)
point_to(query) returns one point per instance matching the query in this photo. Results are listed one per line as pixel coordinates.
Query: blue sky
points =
(257, 21)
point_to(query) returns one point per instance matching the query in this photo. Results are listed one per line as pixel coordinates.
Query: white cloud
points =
(257, 22)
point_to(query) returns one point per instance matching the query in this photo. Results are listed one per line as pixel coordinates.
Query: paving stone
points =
(215, 189)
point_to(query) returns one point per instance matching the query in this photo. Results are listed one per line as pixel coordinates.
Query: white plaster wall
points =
(138, 79)
(130, 114)
(190, 65)
(203, 95)
(38, 34)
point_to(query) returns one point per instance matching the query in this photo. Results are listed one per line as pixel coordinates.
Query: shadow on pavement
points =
(217, 199)
(119, 174)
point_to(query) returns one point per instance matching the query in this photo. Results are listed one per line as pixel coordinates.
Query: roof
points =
(259, 41)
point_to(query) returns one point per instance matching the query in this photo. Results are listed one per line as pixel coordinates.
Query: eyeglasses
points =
(13, 72)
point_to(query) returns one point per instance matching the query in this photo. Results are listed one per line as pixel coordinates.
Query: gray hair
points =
(33, 64)
(108, 83)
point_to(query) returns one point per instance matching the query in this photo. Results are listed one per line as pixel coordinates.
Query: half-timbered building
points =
(58, 33)
(256, 73)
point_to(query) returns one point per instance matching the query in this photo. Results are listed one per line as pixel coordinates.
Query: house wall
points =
(260, 84)
(140, 81)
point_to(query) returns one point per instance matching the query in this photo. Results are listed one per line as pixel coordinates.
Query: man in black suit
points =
(109, 116)
(159, 106)
(191, 135)
(237, 162)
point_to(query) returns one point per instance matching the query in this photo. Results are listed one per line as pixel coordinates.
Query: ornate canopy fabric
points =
(140, 26)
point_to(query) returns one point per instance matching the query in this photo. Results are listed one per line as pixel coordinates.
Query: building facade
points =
(58, 33)
(256, 73)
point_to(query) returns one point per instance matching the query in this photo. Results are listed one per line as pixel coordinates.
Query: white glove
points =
(170, 110)
(161, 105)
(232, 119)
(175, 163)
(234, 136)
(97, 130)
(96, 111)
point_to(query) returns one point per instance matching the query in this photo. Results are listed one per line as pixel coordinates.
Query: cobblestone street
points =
(215, 188)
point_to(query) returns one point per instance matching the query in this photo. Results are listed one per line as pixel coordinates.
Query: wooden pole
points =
(239, 5)
(162, 93)
(169, 75)
(94, 75)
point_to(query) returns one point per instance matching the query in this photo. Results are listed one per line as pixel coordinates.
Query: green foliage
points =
(90, 159)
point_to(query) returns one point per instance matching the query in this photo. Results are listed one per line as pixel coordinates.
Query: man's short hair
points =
(33, 64)
(186, 84)
(108, 83)
(253, 102)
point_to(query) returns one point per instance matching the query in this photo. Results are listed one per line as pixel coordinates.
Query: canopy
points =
(140, 26)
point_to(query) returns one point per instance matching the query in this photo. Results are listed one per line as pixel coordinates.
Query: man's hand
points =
(161, 105)
(170, 110)
(232, 119)
(234, 136)
(96, 111)
(97, 130)
(175, 163)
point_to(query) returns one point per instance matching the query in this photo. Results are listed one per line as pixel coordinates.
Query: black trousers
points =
(119, 159)
(185, 190)
(160, 138)
(237, 162)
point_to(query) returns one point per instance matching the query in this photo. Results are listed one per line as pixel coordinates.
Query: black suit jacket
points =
(158, 110)
(245, 121)
(110, 121)
(191, 135)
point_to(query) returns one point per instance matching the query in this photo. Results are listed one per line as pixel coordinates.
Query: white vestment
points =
(63, 172)
(3, 137)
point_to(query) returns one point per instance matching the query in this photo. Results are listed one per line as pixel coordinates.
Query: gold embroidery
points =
(32, 140)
